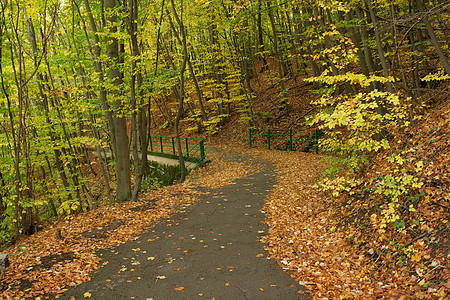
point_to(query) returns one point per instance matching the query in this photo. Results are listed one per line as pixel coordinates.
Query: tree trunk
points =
(103, 164)
(99, 69)
(379, 45)
(284, 100)
(181, 95)
(434, 39)
(261, 48)
(123, 189)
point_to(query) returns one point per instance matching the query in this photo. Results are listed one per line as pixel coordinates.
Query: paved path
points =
(160, 160)
(170, 161)
(209, 250)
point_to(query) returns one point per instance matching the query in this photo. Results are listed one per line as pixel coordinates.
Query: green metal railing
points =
(285, 139)
(165, 146)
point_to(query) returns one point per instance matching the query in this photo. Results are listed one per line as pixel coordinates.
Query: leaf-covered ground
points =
(63, 255)
(343, 248)
(311, 234)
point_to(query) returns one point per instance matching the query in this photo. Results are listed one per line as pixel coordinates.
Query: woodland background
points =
(80, 79)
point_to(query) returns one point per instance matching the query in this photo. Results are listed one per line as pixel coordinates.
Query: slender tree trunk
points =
(42, 84)
(103, 164)
(356, 38)
(181, 96)
(198, 91)
(415, 66)
(433, 39)
(137, 98)
(372, 67)
(379, 45)
(99, 69)
(261, 48)
(16, 141)
(123, 190)
(284, 100)
(217, 60)
(194, 77)
(328, 41)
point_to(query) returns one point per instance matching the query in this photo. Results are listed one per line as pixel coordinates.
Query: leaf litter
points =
(324, 242)
(305, 236)
(35, 268)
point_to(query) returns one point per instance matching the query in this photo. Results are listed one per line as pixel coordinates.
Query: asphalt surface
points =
(170, 161)
(210, 250)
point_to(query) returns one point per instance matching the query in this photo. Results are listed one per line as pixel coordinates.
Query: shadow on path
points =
(207, 250)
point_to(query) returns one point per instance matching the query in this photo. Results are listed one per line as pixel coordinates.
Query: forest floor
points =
(148, 244)
(305, 233)
(210, 249)
(113, 239)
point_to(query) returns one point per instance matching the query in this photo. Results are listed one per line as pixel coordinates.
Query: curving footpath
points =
(209, 250)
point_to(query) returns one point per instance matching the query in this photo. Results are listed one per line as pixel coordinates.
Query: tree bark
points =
(379, 45)
(284, 100)
(181, 95)
(123, 189)
(433, 39)
(99, 69)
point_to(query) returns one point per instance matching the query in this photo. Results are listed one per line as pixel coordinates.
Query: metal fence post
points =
(151, 144)
(161, 144)
(173, 146)
(187, 147)
(250, 137)
(316, 140)
(290, 139)
(268, 138)
(202, 150)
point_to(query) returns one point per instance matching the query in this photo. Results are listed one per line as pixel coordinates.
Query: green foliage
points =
(440, 75)
(213, 125)
(160, 175)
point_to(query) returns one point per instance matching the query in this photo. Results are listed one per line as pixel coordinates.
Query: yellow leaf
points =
(416, 257)
(87, 295)
(419, 166)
